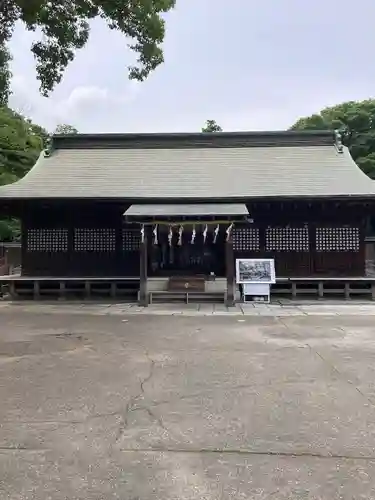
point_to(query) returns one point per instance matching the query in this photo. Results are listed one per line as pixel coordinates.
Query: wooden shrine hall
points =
(183, 241)
(163, 213)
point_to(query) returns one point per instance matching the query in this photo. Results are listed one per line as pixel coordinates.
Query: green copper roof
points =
(194, 167)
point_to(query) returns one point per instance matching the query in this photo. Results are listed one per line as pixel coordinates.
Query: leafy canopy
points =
(65, 28)
(356, 121)
(5, 75)
(21, 142)
(64, 129)
(211, 126)
(20, 145)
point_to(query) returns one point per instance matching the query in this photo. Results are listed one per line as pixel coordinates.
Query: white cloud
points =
(85, 102)
(83, 95)
(82, 105)
(88, 95)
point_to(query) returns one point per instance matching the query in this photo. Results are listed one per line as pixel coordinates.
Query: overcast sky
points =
(248, 64)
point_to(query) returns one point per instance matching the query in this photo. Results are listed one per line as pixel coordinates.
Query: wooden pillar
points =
(36, 290)
(230, 271)
(62, 290)
(143, 295)
(12, 290)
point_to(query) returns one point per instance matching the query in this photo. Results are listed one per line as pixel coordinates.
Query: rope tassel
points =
(170, 236)
(180, 231)
(205, 233)
(155, 231)
(216, 233)
(229, 230)
(193, 234)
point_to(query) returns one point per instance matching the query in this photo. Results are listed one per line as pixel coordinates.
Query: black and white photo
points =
(255, 271)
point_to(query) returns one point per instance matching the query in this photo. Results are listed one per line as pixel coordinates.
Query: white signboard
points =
(255, 271)
(256, 291)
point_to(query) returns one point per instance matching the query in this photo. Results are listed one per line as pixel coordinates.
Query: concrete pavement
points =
(102, 404)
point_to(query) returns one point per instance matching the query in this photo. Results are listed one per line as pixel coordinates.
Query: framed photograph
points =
(255, 271)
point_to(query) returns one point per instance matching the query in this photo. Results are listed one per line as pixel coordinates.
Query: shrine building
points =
(152, 209)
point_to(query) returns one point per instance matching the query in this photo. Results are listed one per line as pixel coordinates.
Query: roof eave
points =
(241, 199)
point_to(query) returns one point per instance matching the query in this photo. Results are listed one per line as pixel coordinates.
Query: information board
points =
(255, 276)
(255, 271)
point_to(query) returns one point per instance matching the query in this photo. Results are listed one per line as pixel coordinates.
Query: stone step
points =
(186, 297)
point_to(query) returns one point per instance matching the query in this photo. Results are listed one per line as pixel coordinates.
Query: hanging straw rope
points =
(229, 231)
(155, 231)
(180, 231)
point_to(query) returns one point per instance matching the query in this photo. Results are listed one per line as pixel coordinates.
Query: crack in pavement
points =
(332, 366)
(132, 406)
(153, 404)
(23, 448)
(217, 451)
(244, 451)
(209, 391)
(341, 375)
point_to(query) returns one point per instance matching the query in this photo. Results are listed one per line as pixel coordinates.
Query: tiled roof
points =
(228, 166)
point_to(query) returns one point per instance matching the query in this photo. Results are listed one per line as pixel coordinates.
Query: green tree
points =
(10, 229)
(21, 142)
(211, 126)
(65, 28)
(5, 74)
(356, 122)
(64, 129)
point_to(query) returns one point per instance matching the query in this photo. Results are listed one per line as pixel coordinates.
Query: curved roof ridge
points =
(25, 178)
(354, 165)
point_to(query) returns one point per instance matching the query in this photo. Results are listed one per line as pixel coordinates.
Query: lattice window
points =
(47, 240)
(337, 239)
(287, 239)
(94, 240)
(246, 239)
(131, 239)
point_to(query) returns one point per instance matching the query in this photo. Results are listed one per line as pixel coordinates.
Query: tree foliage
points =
(65, 129)
(21, 142)
(211, 126)
(65, 28)
(356, 121)
(10, 229)
(5, 74)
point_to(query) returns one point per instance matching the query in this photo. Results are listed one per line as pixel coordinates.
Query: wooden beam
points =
(230, 271)
(143, 294)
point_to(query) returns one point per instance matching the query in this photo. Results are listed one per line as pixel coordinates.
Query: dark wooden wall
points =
(316, 239)
(81, 241)
(306, 240)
